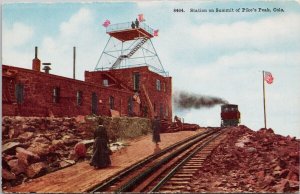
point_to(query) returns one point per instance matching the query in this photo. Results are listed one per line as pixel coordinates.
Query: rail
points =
(178, 166)
(127, 26)
(101, 187)
(138, 179)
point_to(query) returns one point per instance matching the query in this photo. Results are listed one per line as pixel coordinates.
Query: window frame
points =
(111, 102)
(79, 97)
(19, 93)
(56, 95)
(136, 81)
(158, 85)
(105, 82)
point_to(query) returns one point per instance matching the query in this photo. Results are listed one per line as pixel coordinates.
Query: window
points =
(94, 103)
(158, 85)
(56, 94)
(19, 92)
(161, 111)
(79, 98)
(130, 106)
(136, 81)
(111, 102)
(167, 111)
(164, 87)
(105, 82)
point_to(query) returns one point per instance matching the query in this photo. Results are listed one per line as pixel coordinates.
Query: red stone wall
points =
(38, 92)
(38, 95)
(148, 79)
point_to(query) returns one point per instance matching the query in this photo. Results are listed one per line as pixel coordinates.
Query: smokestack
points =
(46, 67)
(74, 60)
(36, 63)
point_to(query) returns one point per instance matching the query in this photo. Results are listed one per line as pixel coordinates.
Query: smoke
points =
(184, 100)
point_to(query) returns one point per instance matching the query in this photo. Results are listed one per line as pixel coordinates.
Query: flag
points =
(106, 23)
(268, 77)
(155, 33)
(141, 18)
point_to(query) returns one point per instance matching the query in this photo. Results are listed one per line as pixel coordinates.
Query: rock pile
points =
(170, 127)
(34, 146)
(249, 161)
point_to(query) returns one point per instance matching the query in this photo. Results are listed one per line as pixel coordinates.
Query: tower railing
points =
(127, 26)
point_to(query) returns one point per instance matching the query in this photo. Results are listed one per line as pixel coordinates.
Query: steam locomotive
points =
(230, 115)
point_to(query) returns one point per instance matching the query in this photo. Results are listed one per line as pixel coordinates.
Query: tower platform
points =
(124, 31)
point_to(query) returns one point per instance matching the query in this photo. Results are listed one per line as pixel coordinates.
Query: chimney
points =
(46, 67)
(36, 63)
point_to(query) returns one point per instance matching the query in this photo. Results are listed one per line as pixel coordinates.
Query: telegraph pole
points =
(264, 94)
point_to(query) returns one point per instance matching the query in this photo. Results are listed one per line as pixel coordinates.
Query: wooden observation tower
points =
(130, 45)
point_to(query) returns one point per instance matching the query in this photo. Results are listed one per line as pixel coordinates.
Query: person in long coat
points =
(101, 151)
(156, 125)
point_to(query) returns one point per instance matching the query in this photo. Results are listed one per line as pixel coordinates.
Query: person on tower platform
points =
(132, 25)
(137, 23)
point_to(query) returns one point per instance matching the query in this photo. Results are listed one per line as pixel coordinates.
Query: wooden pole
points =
(74, 61)
(264, 93)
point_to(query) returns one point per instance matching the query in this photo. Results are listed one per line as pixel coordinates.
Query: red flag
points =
(141, 18)
(155, 33)
(106, 23)
(268, 77)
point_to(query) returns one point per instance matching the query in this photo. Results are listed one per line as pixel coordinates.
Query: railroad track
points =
(156, 171)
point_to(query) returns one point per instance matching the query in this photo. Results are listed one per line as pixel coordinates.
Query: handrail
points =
(127, 25)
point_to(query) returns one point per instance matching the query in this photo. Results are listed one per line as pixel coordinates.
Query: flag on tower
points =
(141, 18)
(106, 23)
(268, 77)
(155, 33)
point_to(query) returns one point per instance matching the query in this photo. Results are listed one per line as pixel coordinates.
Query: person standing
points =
(137, 23)
(156, 125)
(132, 25)
(101, 151)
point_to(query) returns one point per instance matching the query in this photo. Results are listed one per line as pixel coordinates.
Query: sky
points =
(206, 53)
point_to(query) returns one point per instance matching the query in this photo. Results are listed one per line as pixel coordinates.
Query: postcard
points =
(150, 96)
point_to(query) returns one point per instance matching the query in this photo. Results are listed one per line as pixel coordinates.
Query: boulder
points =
(41, 139)
(282, 186)
(80, 119)
(8, 175)
(38, 148)
(35, 169)
(66, 163)
(26, 156)
(69, 140)
(73, 155)
(16, 166)
(80, 149)
(57, 142)
(10, 147)
(260, 175)
(25, 136)
(269, 180)
(284, 173)
(293, 176)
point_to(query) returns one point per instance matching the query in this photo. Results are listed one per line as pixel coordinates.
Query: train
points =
(230, 115)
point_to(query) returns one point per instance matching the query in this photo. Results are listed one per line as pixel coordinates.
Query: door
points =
(94, 103)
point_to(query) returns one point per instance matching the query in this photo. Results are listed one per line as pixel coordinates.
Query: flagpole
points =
(264, 99)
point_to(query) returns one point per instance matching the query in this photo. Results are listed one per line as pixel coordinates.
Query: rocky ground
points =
(33, 146)
(249, 161)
